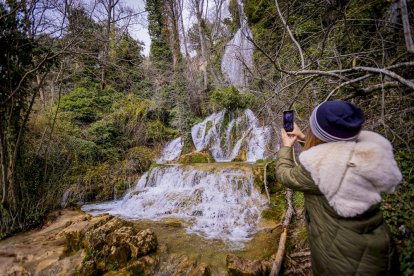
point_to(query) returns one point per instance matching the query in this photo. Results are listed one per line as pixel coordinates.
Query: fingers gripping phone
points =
(288, 120)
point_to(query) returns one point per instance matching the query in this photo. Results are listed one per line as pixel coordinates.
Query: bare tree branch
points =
(406, 24)
(302, 60)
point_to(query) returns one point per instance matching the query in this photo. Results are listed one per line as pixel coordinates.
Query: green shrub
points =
(104, 133)
(87, 104)
(81, 148)
(231, 98)
(157, 132)
(110, 141)
(129, 115)
(139, 159)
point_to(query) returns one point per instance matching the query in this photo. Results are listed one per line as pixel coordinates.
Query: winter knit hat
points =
(336, 121)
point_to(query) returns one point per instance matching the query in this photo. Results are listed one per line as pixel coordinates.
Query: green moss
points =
(272, 184)
(298, 200)
(196, 157)
(188, 147)
(73, 241)
(120, 188)
(299, 239)
(277, 209)
(209, 125)
(241, 156)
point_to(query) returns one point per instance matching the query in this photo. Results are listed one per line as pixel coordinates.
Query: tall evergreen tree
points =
(21, 59)
(160, 51)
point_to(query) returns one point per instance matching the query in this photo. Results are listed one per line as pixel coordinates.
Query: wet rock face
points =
(182, 265)
(115, 244)
(196, 157)
(240, 267)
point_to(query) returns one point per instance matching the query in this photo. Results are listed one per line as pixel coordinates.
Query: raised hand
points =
(297, 132)
(288, 139)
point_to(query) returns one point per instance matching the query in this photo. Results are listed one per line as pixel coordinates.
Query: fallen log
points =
(278, 257)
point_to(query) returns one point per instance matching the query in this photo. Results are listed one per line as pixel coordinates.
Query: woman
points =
(342, 172)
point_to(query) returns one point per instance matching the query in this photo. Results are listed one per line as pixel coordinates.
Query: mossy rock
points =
(73, 241)
(188, 147)
(114, 244)
(272, 183)
(241, 156)
(139, 160)
(277, 209)
(196, 157)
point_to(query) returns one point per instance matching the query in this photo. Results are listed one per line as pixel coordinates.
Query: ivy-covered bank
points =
(398, 209)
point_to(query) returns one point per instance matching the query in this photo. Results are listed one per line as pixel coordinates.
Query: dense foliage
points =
(83, 113)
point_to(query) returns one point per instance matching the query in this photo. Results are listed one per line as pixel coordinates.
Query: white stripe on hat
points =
(322, 134)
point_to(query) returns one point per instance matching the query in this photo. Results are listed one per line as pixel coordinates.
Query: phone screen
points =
(288, 120)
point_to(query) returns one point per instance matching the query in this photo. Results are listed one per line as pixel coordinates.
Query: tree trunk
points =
(174, 34)
(181, 2)
(110, 16)
(3, 164)
(199, 6)
(406, 24)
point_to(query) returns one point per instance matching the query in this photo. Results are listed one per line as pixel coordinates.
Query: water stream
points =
(225, 137)
(238, 54)
(217, 201)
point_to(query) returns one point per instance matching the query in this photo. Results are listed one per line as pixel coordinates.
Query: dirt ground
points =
(41, 251)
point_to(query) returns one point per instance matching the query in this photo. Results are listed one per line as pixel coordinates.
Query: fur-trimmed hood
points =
(352, 175)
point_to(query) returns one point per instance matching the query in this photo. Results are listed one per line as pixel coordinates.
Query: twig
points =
(300, 269)
(387, 73)
(302, 60)
(300, 254)
(265, 181)
(346, 83)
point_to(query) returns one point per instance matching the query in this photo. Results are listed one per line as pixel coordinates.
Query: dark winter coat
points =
(342, 182)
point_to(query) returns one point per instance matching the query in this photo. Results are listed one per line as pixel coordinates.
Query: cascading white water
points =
(238, 53)
(218, 202)
(210, 127)
(225, 141)
(258, 141)
(171, 151)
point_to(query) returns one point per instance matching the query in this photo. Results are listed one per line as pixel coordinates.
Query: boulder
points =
(96, 238)
(112, 244)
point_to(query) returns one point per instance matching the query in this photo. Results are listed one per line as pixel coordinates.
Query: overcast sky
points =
(140, 31)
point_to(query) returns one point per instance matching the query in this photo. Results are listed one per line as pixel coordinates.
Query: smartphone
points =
(288, 120)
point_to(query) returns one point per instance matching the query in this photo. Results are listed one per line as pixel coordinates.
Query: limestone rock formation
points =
(113, 244)
(241, 267)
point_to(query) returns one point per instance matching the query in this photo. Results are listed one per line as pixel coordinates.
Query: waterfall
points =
(171, 151)
(259, 140)
(218, 202)
(225, 138)
(238, 53)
